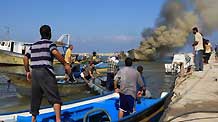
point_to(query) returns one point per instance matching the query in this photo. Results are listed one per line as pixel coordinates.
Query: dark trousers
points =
(43, 82)
(110, 81)
(207, 57)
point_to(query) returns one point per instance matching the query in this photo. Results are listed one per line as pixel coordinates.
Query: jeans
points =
(198, 60)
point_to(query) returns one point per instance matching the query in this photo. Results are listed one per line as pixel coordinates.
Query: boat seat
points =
(111, 107)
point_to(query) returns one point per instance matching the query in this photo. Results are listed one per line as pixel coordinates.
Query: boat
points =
(23, 87)
(96, 109)
(101, 67)
(65, 89)
(181, 63)
(13, 52)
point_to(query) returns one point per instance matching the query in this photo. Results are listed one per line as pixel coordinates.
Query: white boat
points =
(12, 52)
(180, 63)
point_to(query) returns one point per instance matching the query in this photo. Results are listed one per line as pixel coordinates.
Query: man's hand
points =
(117, 90)
(28, 76)
(67, 68)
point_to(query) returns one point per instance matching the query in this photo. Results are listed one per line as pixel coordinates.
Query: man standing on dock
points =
(42, 75)
(128, 77)
(199, 49)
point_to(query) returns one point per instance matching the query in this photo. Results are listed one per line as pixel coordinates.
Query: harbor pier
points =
(195, 96)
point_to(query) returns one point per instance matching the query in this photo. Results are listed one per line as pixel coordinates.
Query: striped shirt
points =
(40, 54)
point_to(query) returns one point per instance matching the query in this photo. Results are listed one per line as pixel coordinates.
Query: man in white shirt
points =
(199, 49)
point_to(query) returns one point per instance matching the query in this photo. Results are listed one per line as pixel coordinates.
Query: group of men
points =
(202, 50)
(41, 55)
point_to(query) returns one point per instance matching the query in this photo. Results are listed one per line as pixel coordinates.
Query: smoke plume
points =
(177, 18)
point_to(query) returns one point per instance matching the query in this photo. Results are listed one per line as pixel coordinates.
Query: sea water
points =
(10, 101)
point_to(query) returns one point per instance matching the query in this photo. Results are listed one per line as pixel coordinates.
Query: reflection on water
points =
(153, 73)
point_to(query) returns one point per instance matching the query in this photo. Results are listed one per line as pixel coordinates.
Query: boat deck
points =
(76, 114)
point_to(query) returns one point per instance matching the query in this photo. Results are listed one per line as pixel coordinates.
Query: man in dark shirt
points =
(41, 54)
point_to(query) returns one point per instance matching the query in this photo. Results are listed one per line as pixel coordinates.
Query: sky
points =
(94, 25)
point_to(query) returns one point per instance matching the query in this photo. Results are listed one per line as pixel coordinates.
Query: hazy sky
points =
(94, 25)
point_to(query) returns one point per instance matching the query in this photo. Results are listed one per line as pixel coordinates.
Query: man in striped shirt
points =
(41, 55)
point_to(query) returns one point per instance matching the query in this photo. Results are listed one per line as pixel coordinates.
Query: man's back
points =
(199, 39)
(40, 54)
(128, 80)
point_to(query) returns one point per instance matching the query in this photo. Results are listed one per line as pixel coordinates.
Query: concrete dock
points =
(196, 92)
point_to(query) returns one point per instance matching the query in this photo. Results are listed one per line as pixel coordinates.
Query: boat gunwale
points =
(131, 117)
(64, 104)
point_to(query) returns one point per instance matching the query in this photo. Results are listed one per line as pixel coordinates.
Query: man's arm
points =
(195, 43)
(27, 69)
(115, 83)
(59, 57)
(90, 73)
(87, 81)
(83, 77)
(26, 63)
(116, 89)
(140, 81)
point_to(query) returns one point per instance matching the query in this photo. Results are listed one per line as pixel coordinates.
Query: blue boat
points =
(95, 109)
(101, 65)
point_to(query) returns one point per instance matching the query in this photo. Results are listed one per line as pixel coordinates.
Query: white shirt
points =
(199, 39)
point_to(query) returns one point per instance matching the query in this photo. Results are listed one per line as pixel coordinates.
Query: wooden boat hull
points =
(100, 108)
(64, 89)
(23, 87)
(10, 58)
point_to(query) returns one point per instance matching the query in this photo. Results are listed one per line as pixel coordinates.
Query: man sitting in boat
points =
(88, 72)
(95, 59)
(128, 77)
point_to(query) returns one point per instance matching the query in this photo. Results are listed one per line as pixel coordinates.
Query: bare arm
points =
(115, 84)
(90, 73)
(87, 81)
(26, 63)
(27, 69)
(140, 81)
(60, 58)
(195, 43)
(116, 89)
